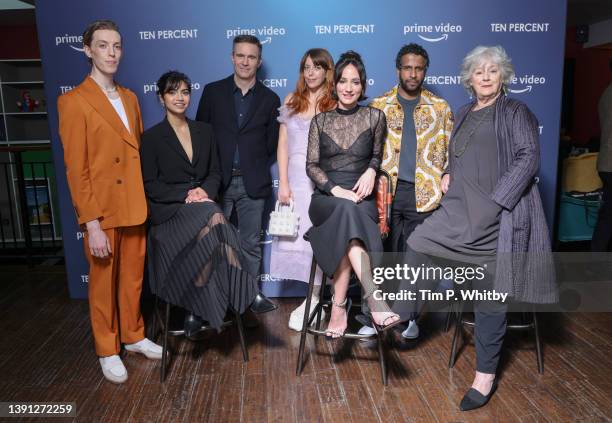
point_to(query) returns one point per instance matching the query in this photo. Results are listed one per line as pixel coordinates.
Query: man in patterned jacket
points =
(419, 125)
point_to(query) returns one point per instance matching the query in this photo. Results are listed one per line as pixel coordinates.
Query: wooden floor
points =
(47, 354)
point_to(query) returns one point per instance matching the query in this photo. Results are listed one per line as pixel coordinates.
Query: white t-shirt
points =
(118, 105)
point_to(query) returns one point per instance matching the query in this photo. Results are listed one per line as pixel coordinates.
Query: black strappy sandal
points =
(383, 327)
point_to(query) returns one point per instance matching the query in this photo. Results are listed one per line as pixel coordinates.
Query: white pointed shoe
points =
(297, 316)
(146, 347)
(113, 369)
(412, 331)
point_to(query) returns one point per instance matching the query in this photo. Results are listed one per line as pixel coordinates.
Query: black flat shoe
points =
(474, 399)
(193, 325)
(262, 304)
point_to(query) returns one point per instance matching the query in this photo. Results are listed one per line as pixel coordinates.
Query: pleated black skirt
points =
(195, 262)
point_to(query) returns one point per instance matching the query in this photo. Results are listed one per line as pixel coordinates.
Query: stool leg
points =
(304, 332)
(538, 343)
(458, 329)
(449, 313)
(381, 357)
(165, 344)
(243, 346)
(320, 309)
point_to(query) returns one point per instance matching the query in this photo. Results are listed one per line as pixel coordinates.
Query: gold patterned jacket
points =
(433, 122)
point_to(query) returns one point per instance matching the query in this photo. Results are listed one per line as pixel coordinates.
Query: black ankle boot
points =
(474, 399)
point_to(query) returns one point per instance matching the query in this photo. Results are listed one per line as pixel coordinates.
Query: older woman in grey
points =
(491, 214)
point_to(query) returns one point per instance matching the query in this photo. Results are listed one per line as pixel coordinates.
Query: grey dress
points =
(465, 227)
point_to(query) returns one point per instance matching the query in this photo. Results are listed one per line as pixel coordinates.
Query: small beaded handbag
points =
(284, 221)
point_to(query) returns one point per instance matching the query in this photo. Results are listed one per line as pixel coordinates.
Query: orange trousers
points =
(115, 285)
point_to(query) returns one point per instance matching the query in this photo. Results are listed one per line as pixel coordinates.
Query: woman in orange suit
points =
(100, 127)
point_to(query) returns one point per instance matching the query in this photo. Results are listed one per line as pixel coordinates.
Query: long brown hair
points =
(299, 98)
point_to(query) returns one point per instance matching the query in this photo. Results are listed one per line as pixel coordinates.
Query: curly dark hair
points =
(411, 48)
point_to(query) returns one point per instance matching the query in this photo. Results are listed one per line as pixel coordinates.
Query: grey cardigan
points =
(525, 268)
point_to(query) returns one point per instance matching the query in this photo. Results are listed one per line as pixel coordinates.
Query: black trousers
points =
(489, 332)
(404, 219)
(603, 229)
(490, 326)
(404, 216)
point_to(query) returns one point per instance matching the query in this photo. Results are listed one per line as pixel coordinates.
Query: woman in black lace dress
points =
(344, 153)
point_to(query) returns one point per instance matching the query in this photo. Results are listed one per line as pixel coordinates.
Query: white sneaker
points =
(297, 316)
(412, 331)
(113, 369)
(146, 347)
(366, 331)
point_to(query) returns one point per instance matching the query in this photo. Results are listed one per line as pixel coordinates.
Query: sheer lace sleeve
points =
(379, 128)
(313, 168)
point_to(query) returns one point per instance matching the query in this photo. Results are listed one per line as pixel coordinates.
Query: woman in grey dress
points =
(491, 213)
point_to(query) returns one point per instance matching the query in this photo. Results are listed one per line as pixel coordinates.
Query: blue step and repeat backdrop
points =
(195, 36)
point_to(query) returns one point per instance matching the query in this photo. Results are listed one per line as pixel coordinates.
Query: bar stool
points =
(163, 324)
(462, 321)
(384, 197)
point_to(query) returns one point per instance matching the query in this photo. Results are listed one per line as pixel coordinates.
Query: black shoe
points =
(262, 304)
(193, 325)
(474, 399)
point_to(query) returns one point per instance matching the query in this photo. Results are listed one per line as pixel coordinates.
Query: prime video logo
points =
(443, 29)
(70, 39)
(265, 33)
(528, 82)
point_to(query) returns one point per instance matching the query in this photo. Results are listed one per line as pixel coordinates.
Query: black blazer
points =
(257, 138)
(167, 172)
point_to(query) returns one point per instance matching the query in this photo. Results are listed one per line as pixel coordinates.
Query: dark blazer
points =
(256, 139)
(524, 265)
(167, 172)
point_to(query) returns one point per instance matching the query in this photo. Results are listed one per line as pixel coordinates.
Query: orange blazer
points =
(101, 156)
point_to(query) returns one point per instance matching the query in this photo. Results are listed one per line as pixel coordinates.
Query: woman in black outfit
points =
(194, 255)
(344, 154)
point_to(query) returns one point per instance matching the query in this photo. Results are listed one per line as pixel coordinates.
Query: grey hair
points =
(477, 56)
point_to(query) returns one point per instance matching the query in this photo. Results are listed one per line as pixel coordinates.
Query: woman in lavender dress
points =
(291, 257)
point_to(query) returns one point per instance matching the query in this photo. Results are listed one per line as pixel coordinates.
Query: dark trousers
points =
(603, 229)
(490, 325)
(404, 218)
(489, 332)
(249, 212)
(404, 215)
